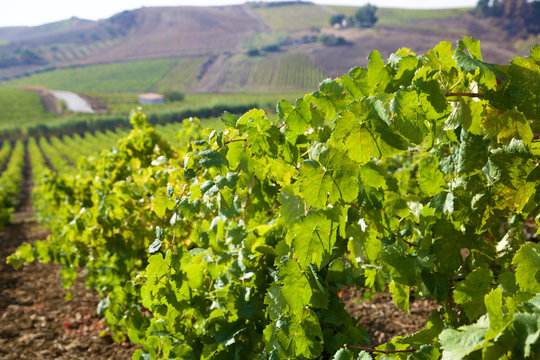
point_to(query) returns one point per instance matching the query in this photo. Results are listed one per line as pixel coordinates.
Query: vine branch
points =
(473, 95)
(368, 349)
(234, 140)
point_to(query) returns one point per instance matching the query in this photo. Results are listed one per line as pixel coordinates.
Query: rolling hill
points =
(239, 48)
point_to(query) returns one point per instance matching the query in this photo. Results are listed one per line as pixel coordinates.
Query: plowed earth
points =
(37, 322)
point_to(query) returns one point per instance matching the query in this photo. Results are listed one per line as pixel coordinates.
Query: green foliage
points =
(365, 17)
(235, 243)
(172, 95)
(10, 180)
(337, 19)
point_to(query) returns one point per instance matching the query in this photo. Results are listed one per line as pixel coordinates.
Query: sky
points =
(37, 12)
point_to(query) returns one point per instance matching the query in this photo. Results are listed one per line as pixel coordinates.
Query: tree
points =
(365, 16)
(337, 19)
(172, 95)
(482, 8)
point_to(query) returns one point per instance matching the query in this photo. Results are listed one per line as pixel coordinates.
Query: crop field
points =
(280, 20)
(19, 106)
(291, 70)
(284, 72)
(183, 76)
(138, 76)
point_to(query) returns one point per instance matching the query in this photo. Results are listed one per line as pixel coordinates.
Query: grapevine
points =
(419, 175)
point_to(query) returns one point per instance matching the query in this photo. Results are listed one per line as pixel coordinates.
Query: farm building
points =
(151, 98)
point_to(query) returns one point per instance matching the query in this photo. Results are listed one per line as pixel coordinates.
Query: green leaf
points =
(161, 204)
(372, 177)
(472, 155)
(24, 254)
(307, 334)
(212, 158)
(523, 89)
(526, 329)
(343, 354)
(284, 108)
(466, 113)
(363, 355)
(430, 178)
(299, 118)
(440, 57)
(486, 72)
(275, 301)
(296, 289)
(507, 171)
(361, 145)
(400, 295)
(456, 344)
(334, 178)
(471, 291)
(312, 239)
(412, 111)
(527, 260)
(292, 206)
(472, 45)
(378, 75)
(426, 352)
(437, 285)
(508, 125)
(494, 303)
(402, 267)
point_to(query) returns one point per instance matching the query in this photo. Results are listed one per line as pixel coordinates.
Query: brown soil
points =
(37, 322)
(381, 317)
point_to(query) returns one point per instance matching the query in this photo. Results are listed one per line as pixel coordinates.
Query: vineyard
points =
(137, 76)
(418, 177)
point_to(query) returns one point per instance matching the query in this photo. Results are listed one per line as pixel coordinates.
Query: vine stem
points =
(368, 349)
(234, 140)
(477, 95)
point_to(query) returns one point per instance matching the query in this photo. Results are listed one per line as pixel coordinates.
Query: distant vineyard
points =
(293, 70)
(19, 106)
(135, 76)
(183, 76)
(279, 71)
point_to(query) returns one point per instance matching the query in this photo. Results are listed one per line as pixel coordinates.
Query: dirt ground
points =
(37, 322)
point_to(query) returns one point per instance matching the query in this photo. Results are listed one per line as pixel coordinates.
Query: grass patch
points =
(138, 76)
(20, 107)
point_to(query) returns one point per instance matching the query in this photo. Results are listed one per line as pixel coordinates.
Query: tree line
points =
(518, 17)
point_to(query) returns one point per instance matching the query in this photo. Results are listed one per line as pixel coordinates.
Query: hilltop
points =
(249, 47)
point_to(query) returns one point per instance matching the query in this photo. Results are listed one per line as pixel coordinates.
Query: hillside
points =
(206, 47)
